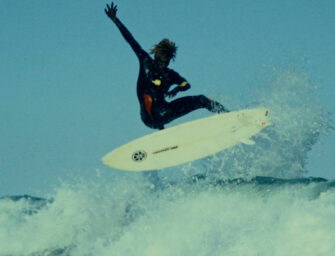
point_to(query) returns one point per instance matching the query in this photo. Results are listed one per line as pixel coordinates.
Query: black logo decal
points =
(139, 156)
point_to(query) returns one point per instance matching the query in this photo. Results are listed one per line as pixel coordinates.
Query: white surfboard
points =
(188, 141)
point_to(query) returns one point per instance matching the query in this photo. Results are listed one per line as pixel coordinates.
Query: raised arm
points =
(111, 13)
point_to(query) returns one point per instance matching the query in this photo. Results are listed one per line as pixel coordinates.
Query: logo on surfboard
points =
(139, 156)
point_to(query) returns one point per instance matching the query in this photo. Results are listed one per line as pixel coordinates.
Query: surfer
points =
(155, 80)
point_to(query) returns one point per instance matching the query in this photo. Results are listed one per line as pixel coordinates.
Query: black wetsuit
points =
(154, 83)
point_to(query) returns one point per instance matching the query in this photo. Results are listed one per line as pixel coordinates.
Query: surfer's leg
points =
(185, 105)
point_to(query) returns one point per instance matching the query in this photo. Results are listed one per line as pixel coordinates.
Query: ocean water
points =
(247, 200)
(261, 216)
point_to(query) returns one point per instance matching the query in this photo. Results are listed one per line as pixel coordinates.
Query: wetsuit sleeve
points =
(130, 39)
(183, 85)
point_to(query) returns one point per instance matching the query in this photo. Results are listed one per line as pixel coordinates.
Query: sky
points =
(67, 77)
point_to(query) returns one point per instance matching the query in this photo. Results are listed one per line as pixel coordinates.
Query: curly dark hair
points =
(165, 49)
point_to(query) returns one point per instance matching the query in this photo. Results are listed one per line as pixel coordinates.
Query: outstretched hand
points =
(111, 11)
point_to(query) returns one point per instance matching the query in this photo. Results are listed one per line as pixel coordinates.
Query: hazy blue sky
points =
(67, 77)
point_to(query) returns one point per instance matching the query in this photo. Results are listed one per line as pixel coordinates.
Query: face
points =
(162, 62)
